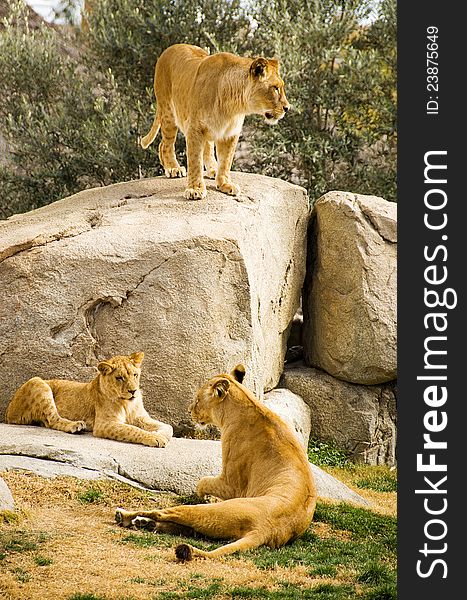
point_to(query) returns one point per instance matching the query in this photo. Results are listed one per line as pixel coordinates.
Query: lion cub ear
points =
(137, 358)
(259, 67)
(105, 368)
(221, 388)
(238, 373)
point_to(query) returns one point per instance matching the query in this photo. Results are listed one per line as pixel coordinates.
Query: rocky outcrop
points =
(293, 410)
(359, 419)
(349, 299)
(197, 286)
(176, 468)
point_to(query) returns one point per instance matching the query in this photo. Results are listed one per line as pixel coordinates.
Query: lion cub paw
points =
(175, 172)
(77, 427)
(228, 188)
(196, 193)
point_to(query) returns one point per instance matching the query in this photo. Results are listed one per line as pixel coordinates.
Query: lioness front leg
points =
(129, 433)
(214, 486)
(196, 188)
(225, 153)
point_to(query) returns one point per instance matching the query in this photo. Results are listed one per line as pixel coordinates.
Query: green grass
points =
(80, 596)
(42, 561)
(327, 454)
(90, 496)
(360, 547)
(19, 541)
(385, 481)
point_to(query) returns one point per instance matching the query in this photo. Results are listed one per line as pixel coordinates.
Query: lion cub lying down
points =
(266, 482)
(207, 98)
(111, 405)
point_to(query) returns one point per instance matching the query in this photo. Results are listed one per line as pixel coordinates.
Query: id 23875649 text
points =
(432, 70)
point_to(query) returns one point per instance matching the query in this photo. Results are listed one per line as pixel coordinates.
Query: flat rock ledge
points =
(176, 468)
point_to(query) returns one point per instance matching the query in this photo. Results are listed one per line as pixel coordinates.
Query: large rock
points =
(349, 300)
(293, 410)
(176, 468)
(359, 419)
(198, 286)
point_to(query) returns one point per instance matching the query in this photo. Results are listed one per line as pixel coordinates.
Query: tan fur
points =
(207, 98)
(266, 483)
(111, 405)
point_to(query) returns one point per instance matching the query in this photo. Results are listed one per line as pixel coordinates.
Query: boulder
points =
(349, 300)
(293, 410)
(198, 286)
(6, 499)
(359, 419)
(176, 468)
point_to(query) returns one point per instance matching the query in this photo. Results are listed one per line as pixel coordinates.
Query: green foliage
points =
(72, 109)
(327, 454)
(341, 82)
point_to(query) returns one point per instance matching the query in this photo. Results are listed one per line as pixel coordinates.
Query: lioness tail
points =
(149, 138)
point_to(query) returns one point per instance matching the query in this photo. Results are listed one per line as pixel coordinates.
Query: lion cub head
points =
(119, 376)
(210, 396)
(267, 96)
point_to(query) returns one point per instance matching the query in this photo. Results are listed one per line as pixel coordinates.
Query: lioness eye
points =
(119, 378)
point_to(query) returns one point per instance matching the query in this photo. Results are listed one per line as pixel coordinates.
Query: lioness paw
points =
(228, 188)
(196, 193)
(175, 172)
(144, 523)
(123, 517)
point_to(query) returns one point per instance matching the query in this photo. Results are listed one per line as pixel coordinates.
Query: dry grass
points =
(67, 543)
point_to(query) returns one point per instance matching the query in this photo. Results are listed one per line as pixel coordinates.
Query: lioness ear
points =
(221, 388)
(238, 373)
(258, 68)
(137, 358)
(105, 368)
(274, 62)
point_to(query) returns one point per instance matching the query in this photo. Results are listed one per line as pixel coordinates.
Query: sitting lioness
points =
(207, 97)
(111, 405)
(266, 482)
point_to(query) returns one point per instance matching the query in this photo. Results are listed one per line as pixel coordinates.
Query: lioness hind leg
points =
(162, 527)
(230, 519)
(167, 148)
(34, 403)
(209, 159)
(195, 142)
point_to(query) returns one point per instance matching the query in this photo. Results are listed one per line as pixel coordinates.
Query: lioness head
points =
(119, 376)
(267, 96)
(212, 394)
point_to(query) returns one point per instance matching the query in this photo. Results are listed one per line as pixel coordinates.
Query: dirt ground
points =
(63, 541)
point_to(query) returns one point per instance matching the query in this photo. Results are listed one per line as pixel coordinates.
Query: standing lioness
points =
(208, 97)
(266, 482)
